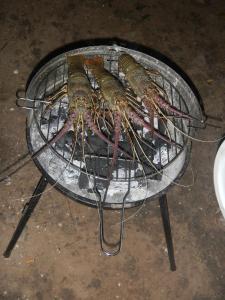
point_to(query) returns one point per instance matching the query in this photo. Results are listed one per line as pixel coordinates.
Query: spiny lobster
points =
(143, 86)
(114, 94)
(81, 101)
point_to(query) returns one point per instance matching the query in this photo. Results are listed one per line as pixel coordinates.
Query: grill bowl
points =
(77, 182)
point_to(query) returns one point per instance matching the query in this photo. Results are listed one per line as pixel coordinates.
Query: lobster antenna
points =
(181, 131)
(152, 165)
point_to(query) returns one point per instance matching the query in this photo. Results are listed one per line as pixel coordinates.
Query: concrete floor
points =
(58, 255)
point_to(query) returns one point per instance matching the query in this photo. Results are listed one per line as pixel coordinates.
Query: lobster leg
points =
(139, 121)
(94, 128)
(162, 103)
(58, 136)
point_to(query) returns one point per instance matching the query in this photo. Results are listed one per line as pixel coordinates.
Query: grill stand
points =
(168, 235)
(26, 213)
(31, 204)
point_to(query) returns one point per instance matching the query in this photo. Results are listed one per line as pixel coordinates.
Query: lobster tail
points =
(127, 63)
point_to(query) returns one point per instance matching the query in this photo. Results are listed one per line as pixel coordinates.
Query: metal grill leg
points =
(167, 230)
(26, 213)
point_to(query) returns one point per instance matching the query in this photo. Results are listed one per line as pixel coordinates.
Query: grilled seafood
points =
(140, 82)
(114, 95)
(81, 101)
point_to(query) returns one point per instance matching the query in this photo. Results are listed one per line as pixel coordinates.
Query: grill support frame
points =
(46, 178)
(32, 203)
(26, 214)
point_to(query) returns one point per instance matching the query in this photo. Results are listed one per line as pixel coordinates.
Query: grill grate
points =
(78, 176)
(97, 154)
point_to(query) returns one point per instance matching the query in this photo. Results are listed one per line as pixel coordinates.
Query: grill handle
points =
(23, 102)
(104, 244)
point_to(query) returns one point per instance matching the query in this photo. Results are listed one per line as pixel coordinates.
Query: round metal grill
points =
(79, 172)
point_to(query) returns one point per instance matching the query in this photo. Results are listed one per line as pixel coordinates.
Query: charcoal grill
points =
(81, 174)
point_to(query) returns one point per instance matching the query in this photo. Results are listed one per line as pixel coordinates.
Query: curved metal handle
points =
(103, 241)
(23, 102)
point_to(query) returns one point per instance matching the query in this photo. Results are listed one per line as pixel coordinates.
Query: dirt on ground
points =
(58, 255)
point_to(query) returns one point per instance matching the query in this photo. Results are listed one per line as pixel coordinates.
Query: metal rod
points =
(104, 244)
(167, 230)
(26, 213)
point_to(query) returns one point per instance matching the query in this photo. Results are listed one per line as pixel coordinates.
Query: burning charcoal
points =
(66, 141)
(126, 147)
(43, 121)
(62, 112)
(139, 173)
(83, 181)
(97, 146)
(69, 138)
(159, 143)
(53, 121)
(96, 166)
(101, 184)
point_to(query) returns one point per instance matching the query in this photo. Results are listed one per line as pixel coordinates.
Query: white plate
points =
(219, 177)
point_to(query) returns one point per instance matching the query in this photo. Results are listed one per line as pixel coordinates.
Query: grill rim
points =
(59, 59)
(61, 62)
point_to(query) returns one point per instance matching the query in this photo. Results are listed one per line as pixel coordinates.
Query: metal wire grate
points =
(96, 153)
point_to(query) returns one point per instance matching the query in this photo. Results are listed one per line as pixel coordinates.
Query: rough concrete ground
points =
(58, 256)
